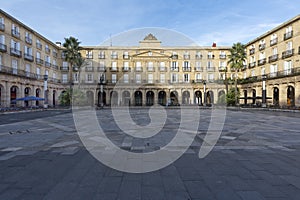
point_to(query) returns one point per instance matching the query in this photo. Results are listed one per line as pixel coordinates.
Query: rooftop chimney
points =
(214, 44)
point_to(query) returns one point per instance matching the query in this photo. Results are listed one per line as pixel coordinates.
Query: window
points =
(245, 75)
(273, 70)
(65, 64)
(38, 44)
(263, 71)
(186, 78)
(76, 77)
(27, 69)
(54, 63)
(2, 39)
(162, 78)
(222, 64)
(288, 65)
(138, 78)
(198, 77)
(15, 30)
(89, 78)
(114, 55)
(150, 78)
(186, 55)
(162, 66)
(38, 72)
(126, 55)
(65, 78)
(27, 50)
(102, 55)
(174, 78)
(114, 78)
(14, 64)
(47, 49)
(114, 65)
(102, 65)
(198, 66)
(222, 54)
(210, 77)
(262, 55)
(126, 78)
(253, 72)
(186, 65)
(0, 60)
(210, 55)
(126, 65)
(289, 46)
(174, 66)
(289, 29)
(54, 75)
(150, 66)
(38, 55)
(138, 66)
(15, 45)
(89, 54)
(198, 55)
(274, 50)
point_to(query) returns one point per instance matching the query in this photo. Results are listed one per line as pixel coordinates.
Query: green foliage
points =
(222, 99)
(231, 97)
(77, 97)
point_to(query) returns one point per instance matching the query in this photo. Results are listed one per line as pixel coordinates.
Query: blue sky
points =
(204, 21)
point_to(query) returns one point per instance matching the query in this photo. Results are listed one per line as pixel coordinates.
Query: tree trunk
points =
(235, 91)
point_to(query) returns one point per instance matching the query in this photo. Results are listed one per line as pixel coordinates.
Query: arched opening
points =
(1, 91)
(101, 98)
(186, 97)
(149, 98)
(245, 96)
(198, 97)
(174, 98)
(54, 98)
(221, 97)
(114, 98)
(90, 98)
(138, 98)
(275, 96)
(210, 97)
(13, 95)
(126, 98)
(162, 98)
(290, 96)
(37, 94)
(253, 96)
(27, 93)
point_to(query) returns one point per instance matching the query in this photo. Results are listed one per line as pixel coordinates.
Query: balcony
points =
(54, 66)
(299, 50)
(175, 57)
(47, 64)
(287, 53)
(101, 69)
(89, 56)
(54, 53)
(15, 52)
(273, 41)
(39, 46)
(251, 65)
(262, 47)
(162, 69)
(288, 35)
(252, 51)
(262, 61)
(198, 57)
(198, 81)
(222, 56)
(114, 56)
(28, 57)
(210, 56)
(2, 26)
(138, 69)
(150, 69)
(174, 69)
(222, 69)
(3, 48)
(244, 67)
(198, 69)
(28, 40)
(64, 68)
(18, 72)
(15, 33)
(39, 61)
(210, 69)
(273, 58)
(89, 69)
(101, 56)
(126, 69)
(114, 69)
(186, 69)
(126, 57)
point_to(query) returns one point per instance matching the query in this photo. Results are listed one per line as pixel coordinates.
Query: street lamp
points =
(101, 83)
(45, 91)
(264, 91)
(204, 85)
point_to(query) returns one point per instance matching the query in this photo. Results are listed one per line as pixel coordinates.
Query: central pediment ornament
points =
(150, 37)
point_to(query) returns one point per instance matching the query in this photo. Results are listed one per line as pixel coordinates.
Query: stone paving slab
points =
(256, 157)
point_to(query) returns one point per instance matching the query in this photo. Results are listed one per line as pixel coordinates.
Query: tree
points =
(79, 64)
(236, 60)
(231, 96)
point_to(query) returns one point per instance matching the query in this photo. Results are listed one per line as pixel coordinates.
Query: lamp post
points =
(101, 83)
(264, 92)
(45, 91)
(204, 85)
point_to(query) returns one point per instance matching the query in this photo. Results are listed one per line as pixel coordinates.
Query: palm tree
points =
(236, 60)
(80, 63)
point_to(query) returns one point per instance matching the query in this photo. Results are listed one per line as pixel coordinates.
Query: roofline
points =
(156, 48)
(28, 28)
(274, 29)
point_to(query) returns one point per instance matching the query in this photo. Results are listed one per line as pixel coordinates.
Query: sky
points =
(96, 22)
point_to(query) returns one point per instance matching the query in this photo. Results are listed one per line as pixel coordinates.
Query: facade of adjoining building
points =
(149, 73)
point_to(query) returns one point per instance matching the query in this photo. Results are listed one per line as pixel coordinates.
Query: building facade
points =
(149, 73)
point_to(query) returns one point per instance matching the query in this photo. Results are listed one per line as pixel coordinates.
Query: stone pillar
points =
(144, 92)
(155, 96)
(7, 94)
(283, 94)
(297, 94)
(179, 92)
(192, 96)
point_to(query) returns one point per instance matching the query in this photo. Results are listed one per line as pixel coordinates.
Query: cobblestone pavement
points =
(257, 157)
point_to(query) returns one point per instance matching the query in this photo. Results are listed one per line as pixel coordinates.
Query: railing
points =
(54, 54)
(28, 40)
(262, 61)
(198, 69)
(63, 68)
(287, 53)
(126, 57)
(89, 56)
(3, 48)
(15, 52)
(262, 47)
(273, 41)
(186, 69)
(162, 69)
(174, 69)
(273, 58)
(197, 57)
(39, 45)
(126, 69)
(54, 66)
(114, 69)
(89, 69)
(39, 61)
(138, 69)
(101, 69)
(15, 33)
(252, 51)
(222, 56)
(222, 69)
(19, 73)
(251, 65)
(174, 56)
(47, 64)
(210, 56)
(150, 69)
(28, 57)
(101, 56)
(186, 57)
(114, 56)
(288, 35)
(2, 26)
(210, 69)
(47, 50)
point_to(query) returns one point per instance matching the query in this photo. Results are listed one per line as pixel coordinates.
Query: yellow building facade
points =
(149, 73)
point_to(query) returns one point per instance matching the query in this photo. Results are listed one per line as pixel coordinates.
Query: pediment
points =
(151, 54)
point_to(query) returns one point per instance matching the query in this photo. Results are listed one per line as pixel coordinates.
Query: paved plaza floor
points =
(256, 157)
